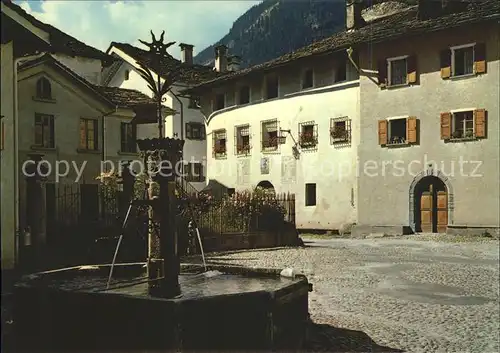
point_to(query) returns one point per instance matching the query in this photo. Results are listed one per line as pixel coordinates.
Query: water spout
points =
(118, 245)
(201, 248)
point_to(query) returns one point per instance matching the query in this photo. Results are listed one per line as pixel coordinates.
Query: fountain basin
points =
(228, 308)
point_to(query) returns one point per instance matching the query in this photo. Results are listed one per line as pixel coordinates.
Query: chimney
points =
(353, 18)
(187, 53)
(221, 58)
(234, 63)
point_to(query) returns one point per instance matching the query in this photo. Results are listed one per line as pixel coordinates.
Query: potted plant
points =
(307, 140)
(338, 134)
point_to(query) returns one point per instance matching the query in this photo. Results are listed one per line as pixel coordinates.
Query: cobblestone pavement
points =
(407, 295)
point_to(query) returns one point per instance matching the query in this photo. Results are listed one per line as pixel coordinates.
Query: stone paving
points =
(405, 294)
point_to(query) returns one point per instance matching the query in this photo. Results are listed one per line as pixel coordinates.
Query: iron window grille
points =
(269, 135)
(340, 130)
(308, 137)
(195, 131)
(242, 140)
(220, 143)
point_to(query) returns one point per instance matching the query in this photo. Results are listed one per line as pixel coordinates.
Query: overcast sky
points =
(100, 22)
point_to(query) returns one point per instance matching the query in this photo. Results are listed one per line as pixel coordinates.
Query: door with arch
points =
(431, 209)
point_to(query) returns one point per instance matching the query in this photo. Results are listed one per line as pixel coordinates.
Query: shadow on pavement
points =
(326, 338)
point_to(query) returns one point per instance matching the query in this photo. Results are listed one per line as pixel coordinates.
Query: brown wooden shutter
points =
(411, 130)
(445, 63)
(480, 122)
(83, 135)
(480, 58)
(445, 126)
(382, 72)
(382, 132)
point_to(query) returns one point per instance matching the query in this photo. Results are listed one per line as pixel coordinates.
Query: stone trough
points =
(226, 308)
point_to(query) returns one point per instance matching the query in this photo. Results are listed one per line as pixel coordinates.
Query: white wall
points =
(334, 188)
(7, 158)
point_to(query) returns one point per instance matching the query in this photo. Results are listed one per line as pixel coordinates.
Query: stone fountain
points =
(160, 304)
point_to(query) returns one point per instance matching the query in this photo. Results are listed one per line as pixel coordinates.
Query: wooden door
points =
(426, 212)
(442, 211)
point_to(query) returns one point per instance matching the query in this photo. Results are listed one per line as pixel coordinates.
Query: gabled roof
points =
(60, 42)
(403, 23)
(190, 74)
(112, 96)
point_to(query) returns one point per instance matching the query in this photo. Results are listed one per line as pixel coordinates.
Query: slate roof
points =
(404, 23)
(190, 74)
(61, 42)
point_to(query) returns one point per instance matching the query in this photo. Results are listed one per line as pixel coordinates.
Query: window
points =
(195, 172)
(219, 143)
(127, 75)
(244, 95)
(242, 140)
(397, 71)
(220, 101)
(195, 131)
(307, 79)
(88, 134)
(269, 135)
(463, 125)
(310, 195)
(44, 131)
(463, 61)
(340, 130)
(398, 131)
(43, 89)
(308, 135)
(128, 138)
(272, 84)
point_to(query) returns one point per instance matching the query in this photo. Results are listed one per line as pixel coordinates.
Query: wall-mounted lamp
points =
(282, 136)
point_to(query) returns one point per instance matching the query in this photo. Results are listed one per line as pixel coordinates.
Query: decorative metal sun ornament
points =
(161, 64)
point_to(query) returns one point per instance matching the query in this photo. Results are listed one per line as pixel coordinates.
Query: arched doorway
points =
(430, 205)
(266, 185)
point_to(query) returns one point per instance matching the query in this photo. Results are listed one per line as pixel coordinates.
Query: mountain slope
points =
(276, 27)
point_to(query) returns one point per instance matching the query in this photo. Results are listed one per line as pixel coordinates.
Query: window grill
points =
(269, 135)
(242, 138)
(340, 130)
(219, 143)
(308, 135)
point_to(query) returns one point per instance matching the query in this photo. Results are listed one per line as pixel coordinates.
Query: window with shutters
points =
(195, 131)
(398, 131)
(463, 125)
(398, 71)
(308, 138)
(269, 135)
(310, 195)
(88, 134)
(244, 95)
(242, 140)
(463, 60)
(128, 137)
(219, 143)
(44, 131)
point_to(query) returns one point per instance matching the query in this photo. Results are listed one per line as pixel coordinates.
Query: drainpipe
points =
(360, 71)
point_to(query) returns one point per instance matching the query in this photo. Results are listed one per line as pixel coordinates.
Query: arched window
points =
(43, 89)
(127, 75)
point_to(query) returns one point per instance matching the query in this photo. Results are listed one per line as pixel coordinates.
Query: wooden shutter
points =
(411, 71)
(411, 130)
(445, 126)
(96, 134)
(382, 72)
(445, 63)
(480, 58)
(480, 122)
(189, 133)
(382, 132)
